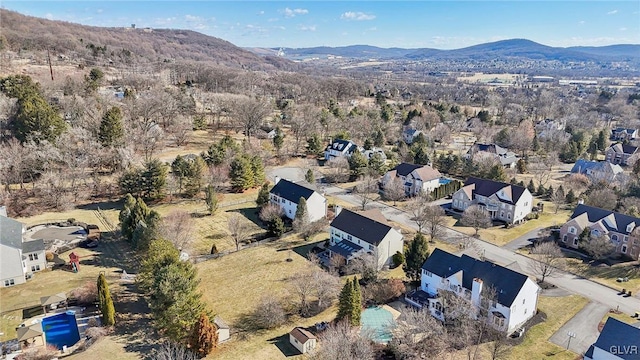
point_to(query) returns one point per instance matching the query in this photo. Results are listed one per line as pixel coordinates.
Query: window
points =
(349, 237)
(371, 247)
(626, 238)
(595, 232)
(498, 321)
(614, 237)
(33, 257)
(575, 242)
(428, 273)
(572, 230)
(624, 249)
(9, 282)
(509, 216)
(523, 300)
(289, 211)
(35, 267)
(564, 238)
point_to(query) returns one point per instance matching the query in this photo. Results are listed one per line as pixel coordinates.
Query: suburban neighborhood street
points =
(584, 326)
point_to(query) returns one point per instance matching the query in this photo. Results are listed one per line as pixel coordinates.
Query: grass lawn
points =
(536, 345)
(626, 318)
(233, 285)
(608, 275)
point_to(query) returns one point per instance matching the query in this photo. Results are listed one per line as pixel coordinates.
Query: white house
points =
(617, 341)
(340, 148)
(302, 340)
(507, 158)
(415, 178)
(286, 195)
(409, 134)
(353, 234)
(506, 202)
(510, 297)
(18, 259)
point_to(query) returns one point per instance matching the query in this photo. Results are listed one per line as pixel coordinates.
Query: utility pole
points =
(50, 67)
(571, 335)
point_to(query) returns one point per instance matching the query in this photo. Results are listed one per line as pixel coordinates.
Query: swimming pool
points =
(377, 323)
(61, 329)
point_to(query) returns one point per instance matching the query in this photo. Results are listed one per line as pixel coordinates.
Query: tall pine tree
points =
(356, 303)
(415, 256)
(111, 130)
(345, 301)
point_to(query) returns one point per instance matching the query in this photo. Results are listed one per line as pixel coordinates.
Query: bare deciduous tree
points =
(340, 341)
(250, 114)
(239, 229)
(418, 210)
(435, 217)
(268, 314)
(548, 259)
(416, 333)
(174, 351)
(604, 198)
(365, 190)
(476, 217)
(394, 190)
(178, 227)
(598, 247)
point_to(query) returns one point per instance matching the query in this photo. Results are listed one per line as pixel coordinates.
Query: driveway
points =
(584, 326)
(294, 174)
(523, 240)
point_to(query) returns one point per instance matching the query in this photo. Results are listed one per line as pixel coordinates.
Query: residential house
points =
(369, 153)
(549, 125)
(409, 135)
(302, 340)
(505, 202)
(340, 148)
(18, 259)
(619, 153)
(507, 158)
(353, 234)
(286, 194)
(623, 134)
(617, 341)
(597, 170)
(509, 297)
(415, 178)
(618, 227)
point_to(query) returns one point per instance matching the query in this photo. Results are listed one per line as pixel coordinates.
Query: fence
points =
(201, 258)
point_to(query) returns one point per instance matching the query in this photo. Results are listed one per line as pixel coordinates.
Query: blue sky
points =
(410, 24)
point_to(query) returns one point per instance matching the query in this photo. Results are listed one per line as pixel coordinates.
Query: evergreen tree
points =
(111, 131)
(211, 199)
(345, 302)
(278, 141)
(377, 164)
(154, 180)
(105, 302)
(602, 140)
(314, 145)
(368, 144)
(550, 191)
(535, 144)
(204, 336)
(357, 164)
(309, 177)
(415, 256)
(263, 195)
(531, 187)
(241, 174)
(521, 166)
(497, 173)
(276, 227)
(420, 153)
(378, 138)
(301, 210)
(571, 197)
(37, 120)
(257, 167)
(541, 190)
(356, 299)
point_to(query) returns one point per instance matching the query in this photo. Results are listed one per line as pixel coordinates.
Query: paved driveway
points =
(584, 325)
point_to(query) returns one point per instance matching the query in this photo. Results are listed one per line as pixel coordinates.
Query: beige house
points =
(302, 340)
(620, 228)
(619, 153)
(415, 178)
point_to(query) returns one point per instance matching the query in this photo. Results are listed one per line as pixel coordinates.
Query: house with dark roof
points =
(623, 134)
(18, 259)
(409, 135)
(302, 340)
(340, 148)
(617, 341)
(353, 234)
(620, 228)
(507, 158)
(286, 194)
(415, 178)
(597, 171)
(505, 202)
(510, 297)
(620, 153)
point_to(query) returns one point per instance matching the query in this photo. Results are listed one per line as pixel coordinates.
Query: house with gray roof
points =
(509, 298)
(504, 202)
(507, 158)
(18, 259)
(597, 171)
(619, 228)
(353, 234)
(340, 148)
(623, 134)
(617, 341)
(286, 194)
(415, 178)
(620, 153)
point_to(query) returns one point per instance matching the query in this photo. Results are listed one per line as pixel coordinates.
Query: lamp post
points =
(571, 335)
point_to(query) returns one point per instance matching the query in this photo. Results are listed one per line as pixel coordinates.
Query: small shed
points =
(53, 301)
(29, 336)
(223, 329)
(302, 340)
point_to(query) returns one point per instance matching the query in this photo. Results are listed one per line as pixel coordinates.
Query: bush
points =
(86, 294)
(49, 256)
(384, 291)
(398, 259)
(268, 314)
(48, 352)
(71, 221)
(214, 249)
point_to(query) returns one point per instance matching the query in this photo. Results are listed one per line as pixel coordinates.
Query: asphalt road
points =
(583, 328)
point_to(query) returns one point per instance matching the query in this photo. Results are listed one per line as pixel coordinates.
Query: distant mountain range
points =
(505, 49)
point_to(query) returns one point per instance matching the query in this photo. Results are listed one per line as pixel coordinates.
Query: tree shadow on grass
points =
(282, 343)
(304, 250)
(133, 322)
(251, 213)
(104, 205)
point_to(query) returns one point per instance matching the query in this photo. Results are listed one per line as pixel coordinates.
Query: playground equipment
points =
(74, 261)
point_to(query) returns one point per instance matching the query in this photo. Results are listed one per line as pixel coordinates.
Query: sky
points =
(408, 24)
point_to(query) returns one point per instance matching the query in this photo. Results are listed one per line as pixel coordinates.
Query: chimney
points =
(337, 210)
(476, 291)
(276, 180)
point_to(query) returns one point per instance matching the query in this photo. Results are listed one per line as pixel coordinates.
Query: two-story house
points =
(340, 148)
(410, 134)
(505, 202)
(286, 194)
(617, 341)
(509, 298)
(415, 178)
(507, 158)
(353, 234)
(620, 228)
(597, 171)
(18, 259)
(623, 134)
(619, 153)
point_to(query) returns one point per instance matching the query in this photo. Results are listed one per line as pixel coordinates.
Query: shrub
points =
(49, 256)
(268, 314)
(87, 293)
(398, 259)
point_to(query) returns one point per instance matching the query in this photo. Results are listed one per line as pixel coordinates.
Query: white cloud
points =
(261, 12)
(164, 21)
(48, 16)
(357, 15)
(293, 12)
(99, 11)
(280, 27)
(623, 29)
(307, 28)
(372, 29)
(612, 12)
(192, 18)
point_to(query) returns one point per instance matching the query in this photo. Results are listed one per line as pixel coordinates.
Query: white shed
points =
(302, 340)
(223, 330)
